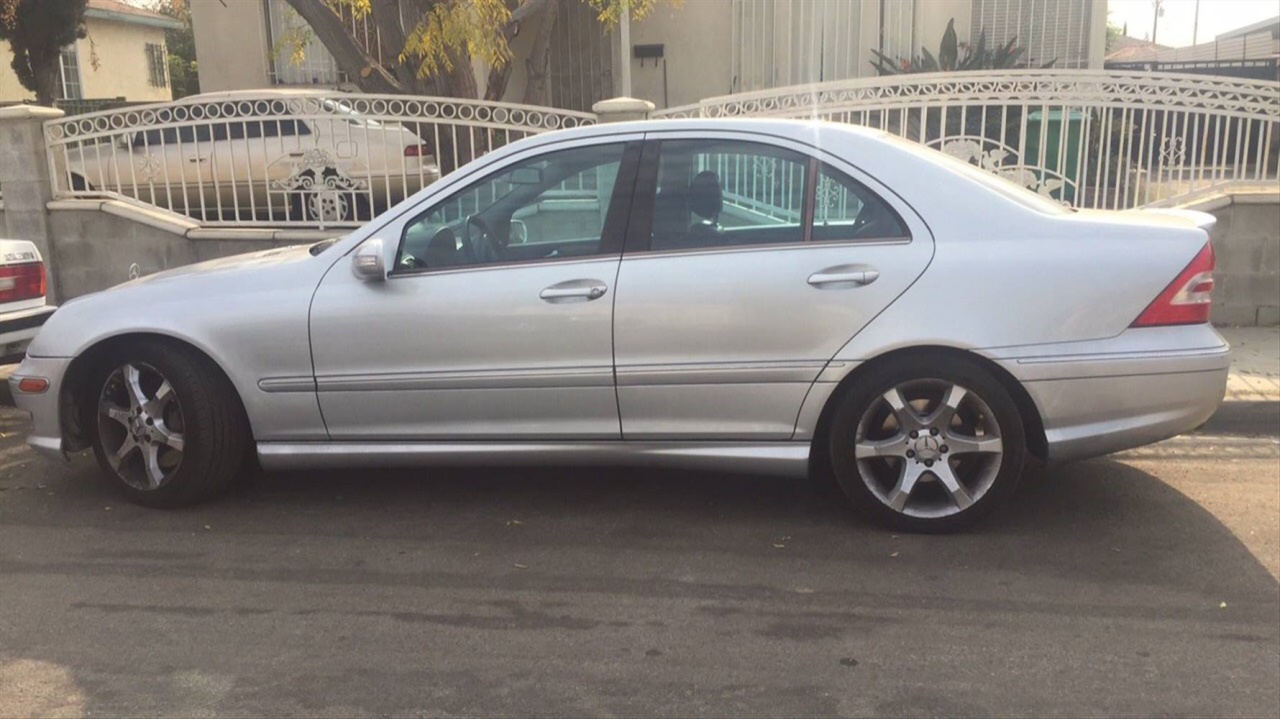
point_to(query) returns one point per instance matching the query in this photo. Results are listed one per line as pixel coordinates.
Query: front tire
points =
(927, 444)
(167, 428)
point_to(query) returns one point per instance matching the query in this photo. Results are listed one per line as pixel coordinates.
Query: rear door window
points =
(726, 193)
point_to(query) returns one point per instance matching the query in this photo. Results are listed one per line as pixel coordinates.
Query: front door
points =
(740, 282)
(496, 319)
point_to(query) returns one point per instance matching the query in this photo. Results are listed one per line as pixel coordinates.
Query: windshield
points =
(990, 180)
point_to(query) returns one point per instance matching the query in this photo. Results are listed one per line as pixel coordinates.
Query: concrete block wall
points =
(1246, 241)
(94, 250)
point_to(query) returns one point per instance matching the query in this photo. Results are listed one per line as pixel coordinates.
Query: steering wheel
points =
(481, 246)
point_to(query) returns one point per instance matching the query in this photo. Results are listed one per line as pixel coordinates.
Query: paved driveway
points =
(1144, 584)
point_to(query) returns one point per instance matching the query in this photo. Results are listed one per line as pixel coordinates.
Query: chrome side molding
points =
(787, 459)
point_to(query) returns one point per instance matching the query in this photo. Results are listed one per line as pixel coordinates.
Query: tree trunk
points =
(461, 80)
(391, 32)
(359, 65)
(496, 85)
(44, 64)
(538, 63)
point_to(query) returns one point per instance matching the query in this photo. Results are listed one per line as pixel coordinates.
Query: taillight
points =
(21, 282)
(417, 150)
(1187, 300)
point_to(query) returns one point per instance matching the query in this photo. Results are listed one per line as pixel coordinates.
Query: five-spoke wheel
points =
(168, 429)
(927, 445)
(140, 425)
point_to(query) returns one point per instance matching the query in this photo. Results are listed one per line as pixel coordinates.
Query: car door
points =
(496, 319)
(170, 168)
(749, 263)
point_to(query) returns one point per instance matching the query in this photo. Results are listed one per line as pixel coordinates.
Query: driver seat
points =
(706, 201)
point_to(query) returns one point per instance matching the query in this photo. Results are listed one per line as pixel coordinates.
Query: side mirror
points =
(368, 263)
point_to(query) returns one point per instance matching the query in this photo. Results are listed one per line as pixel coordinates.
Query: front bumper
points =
(45, 407)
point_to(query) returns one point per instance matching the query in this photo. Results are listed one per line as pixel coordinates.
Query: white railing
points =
(302, 158)
(1087, 138)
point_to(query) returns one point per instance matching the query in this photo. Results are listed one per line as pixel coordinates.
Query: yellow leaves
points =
(473, 25)
(292, 41)
(610, 11)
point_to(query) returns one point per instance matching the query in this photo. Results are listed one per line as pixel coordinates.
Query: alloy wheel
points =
(928, 448)
(140, 426)
(329, 206)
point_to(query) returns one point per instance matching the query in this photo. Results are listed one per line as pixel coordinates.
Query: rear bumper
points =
(1088, 417)
(1101, 402)
(46, 423)
(17, 329)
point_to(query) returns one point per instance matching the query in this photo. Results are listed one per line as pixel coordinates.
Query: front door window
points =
(547, 207)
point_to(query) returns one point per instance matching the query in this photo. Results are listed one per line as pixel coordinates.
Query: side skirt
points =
(788, 459)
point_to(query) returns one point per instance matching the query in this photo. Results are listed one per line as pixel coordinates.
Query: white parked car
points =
(22, 297)
(261, 154)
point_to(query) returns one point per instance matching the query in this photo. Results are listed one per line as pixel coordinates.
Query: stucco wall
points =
(122, 70)
(231, 44)
(93, 250)
(699, 52)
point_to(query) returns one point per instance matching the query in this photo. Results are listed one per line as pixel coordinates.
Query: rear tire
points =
(927, 444)
(166, 426)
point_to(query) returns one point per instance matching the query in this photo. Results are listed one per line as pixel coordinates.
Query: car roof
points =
(257, 94)
(817, 133)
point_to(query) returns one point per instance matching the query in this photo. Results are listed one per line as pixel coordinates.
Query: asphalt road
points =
(1138, 585)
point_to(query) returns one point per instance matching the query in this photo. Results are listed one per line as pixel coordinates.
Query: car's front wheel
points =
(927, 444)
(167, 428)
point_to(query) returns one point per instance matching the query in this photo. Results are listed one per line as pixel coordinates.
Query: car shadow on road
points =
(1094, 522)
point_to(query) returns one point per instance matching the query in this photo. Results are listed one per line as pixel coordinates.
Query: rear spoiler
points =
(1202, 220)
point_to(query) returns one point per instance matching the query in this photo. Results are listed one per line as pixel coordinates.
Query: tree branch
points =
(351, 58)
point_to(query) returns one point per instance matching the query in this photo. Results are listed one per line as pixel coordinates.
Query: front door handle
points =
(574, 291)
(843, 277)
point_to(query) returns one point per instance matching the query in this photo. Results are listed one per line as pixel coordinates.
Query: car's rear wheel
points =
(167, 429)
(927, 444)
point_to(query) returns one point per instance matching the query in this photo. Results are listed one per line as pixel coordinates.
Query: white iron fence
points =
(305, 158)
(1087, 138)
(331, 159)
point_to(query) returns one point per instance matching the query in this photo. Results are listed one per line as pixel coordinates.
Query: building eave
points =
(113, 16)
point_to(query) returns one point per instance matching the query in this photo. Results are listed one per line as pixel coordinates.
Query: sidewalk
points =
(1255, 363)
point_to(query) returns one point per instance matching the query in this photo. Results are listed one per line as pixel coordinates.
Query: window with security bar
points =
(156, 60)
(1050, 30)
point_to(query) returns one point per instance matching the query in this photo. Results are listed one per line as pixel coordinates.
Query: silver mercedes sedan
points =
(747, 296)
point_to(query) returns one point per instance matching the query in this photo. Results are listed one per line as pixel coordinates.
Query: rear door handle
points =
(574, 291)
(843, 277)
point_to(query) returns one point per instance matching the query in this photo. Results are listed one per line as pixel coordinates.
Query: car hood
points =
(175, 301)
(222, 265)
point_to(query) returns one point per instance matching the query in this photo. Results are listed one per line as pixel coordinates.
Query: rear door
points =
(749, 263)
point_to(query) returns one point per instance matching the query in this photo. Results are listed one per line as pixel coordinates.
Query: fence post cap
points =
(623, 104)
(622, 109)
(30, 112)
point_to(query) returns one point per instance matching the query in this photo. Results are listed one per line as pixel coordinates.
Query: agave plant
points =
(954, 56)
